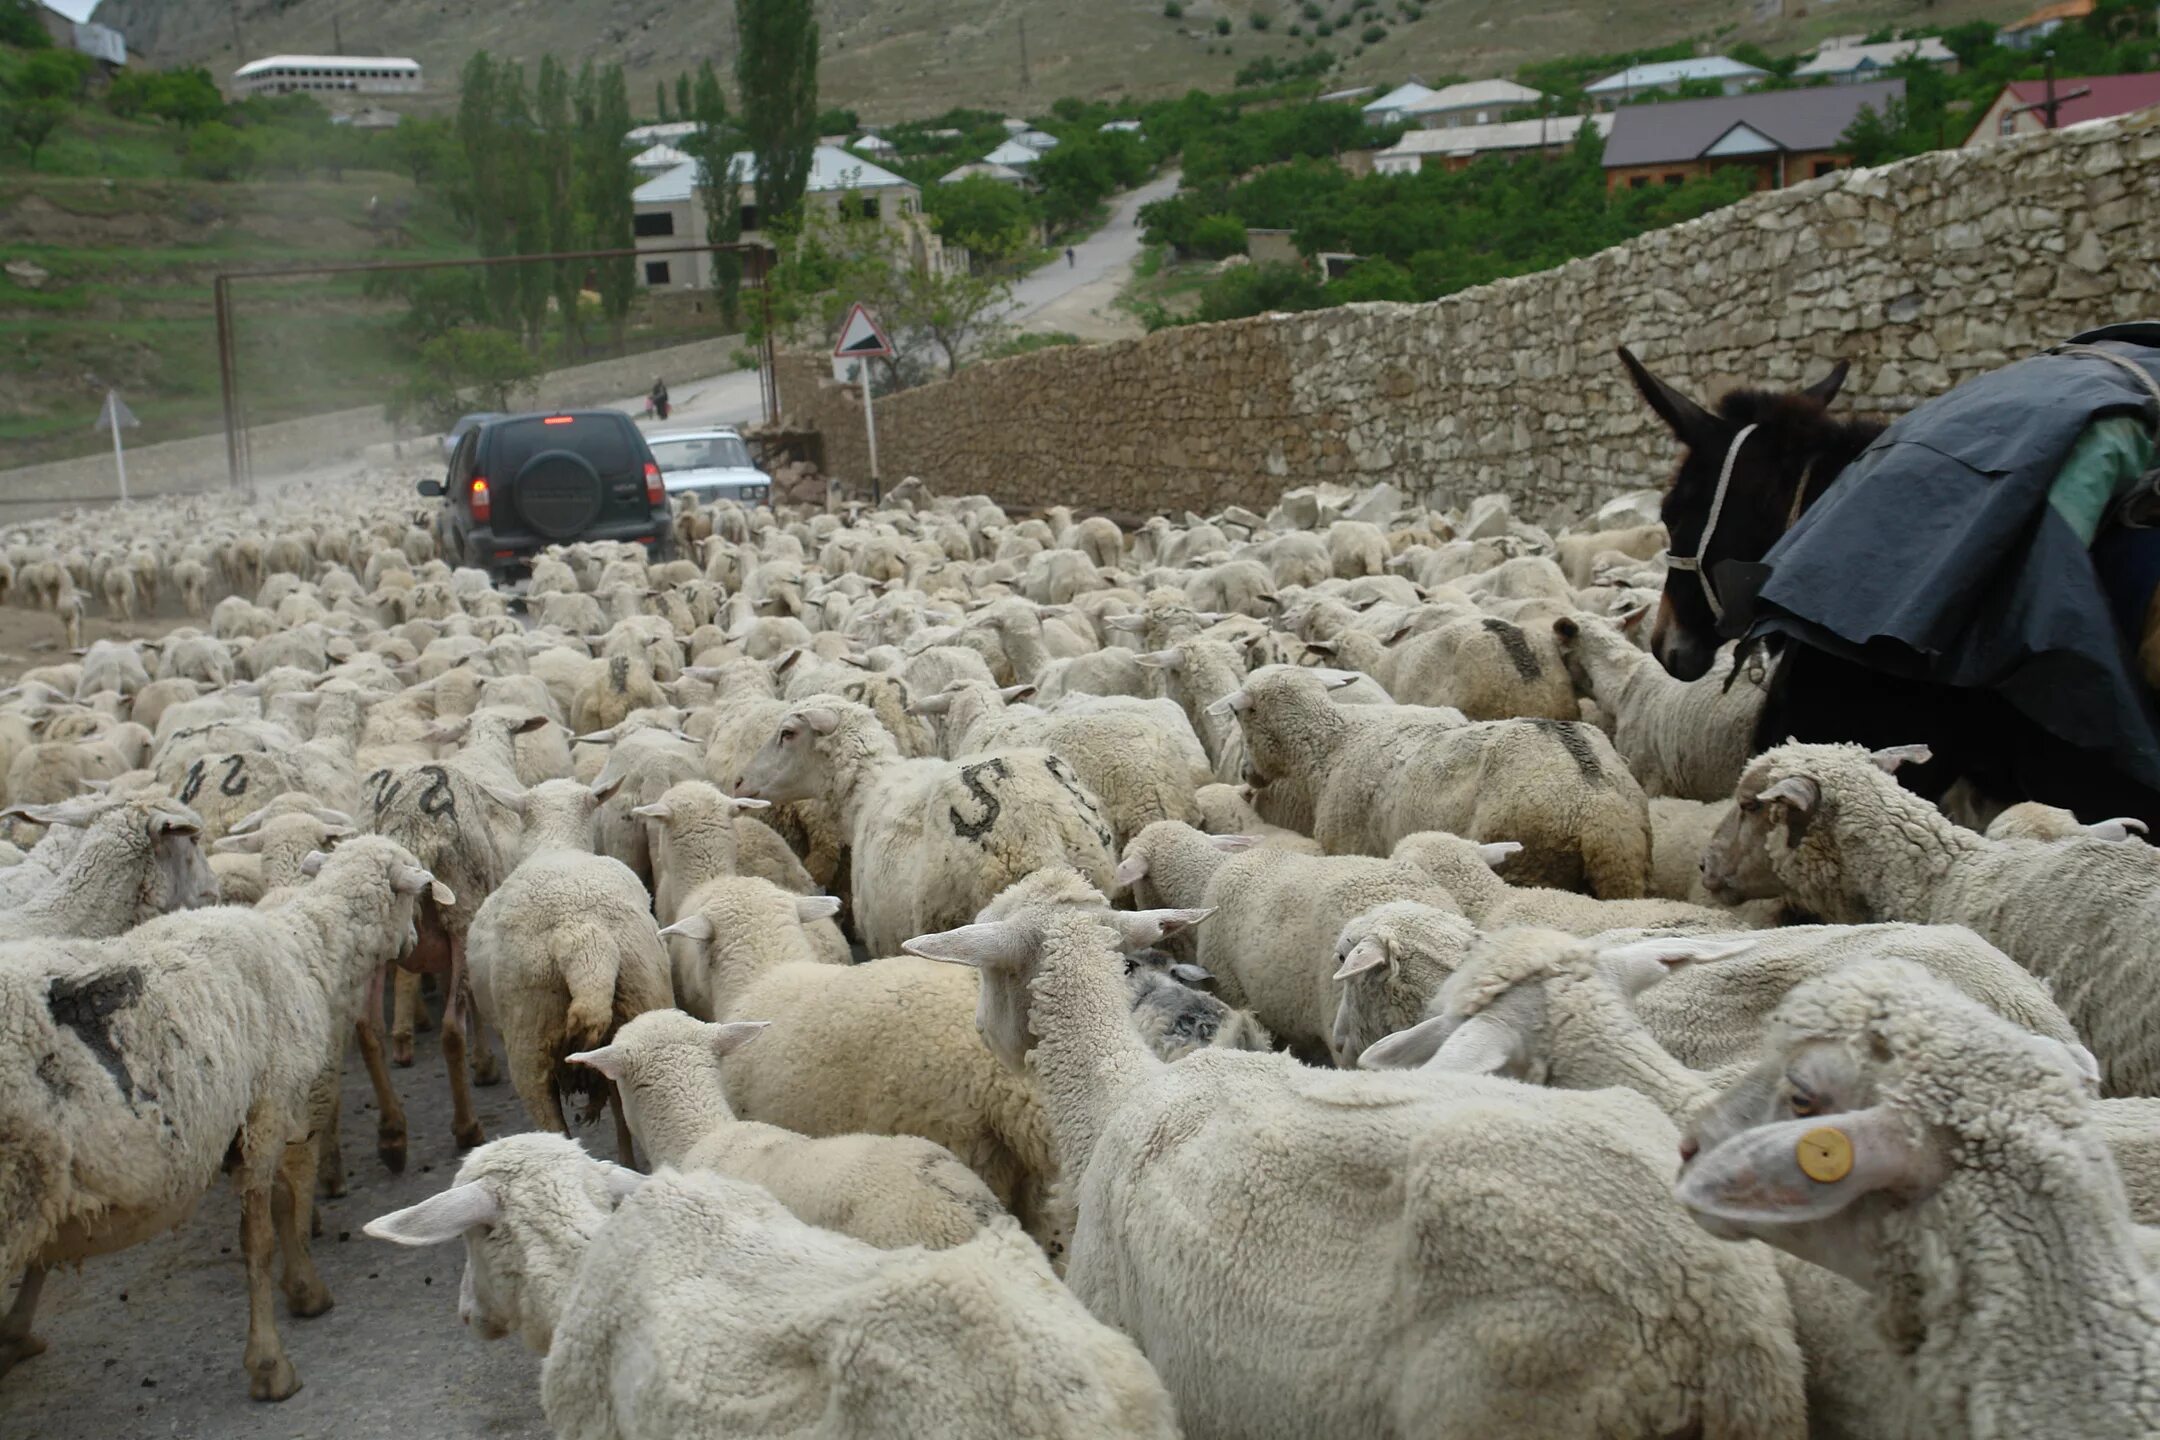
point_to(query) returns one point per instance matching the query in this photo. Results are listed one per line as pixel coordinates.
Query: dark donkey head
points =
(1786, 463)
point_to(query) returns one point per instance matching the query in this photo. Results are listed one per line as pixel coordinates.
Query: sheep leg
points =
(292, 1205)
(405, 999)
(534, 1081)
(486, 1069)
(16, 1342)
(270, 1370)
(464, 1125)
(389, 1110)
(329, 1146)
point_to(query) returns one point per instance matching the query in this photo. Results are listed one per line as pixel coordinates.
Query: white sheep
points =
(131, 1066)
(701, 834)
(1488, 1260)
(1468, 871)
(885, 1190)
(563, 952)
(1830, 829)
(1687, 739)
(929, 838)
(746, 1321)
(1377, 774)
(1948, 1164)
(136, 859)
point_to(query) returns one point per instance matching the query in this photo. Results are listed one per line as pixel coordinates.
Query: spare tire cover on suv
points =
(558, 493)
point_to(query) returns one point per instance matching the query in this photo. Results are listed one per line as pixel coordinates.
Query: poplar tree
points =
(776, 78)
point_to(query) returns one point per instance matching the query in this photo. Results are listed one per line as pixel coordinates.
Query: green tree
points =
(20, 26)
(776, 77)
(714, 147)
(31, 120)
(216, 151)
(1258, 289)
(555, 149)
(660, 101)
(187, 98)
(683, 109)
(471, 368)
(1218, 236)
(992, 220)
(608, 180)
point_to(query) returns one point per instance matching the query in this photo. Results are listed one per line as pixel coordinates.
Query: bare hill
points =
(902, 59)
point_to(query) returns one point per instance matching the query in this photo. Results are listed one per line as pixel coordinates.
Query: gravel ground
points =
(147, 1343)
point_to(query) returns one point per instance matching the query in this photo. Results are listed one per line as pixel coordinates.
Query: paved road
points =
(730, 399)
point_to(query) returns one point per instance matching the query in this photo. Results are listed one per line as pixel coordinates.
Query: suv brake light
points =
(560, 420)
(482, 505)
(655, 492)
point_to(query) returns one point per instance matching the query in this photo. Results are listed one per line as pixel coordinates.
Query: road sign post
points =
(116, 416)
(860, 339)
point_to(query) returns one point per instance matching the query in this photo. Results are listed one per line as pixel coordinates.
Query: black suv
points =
(519, 483)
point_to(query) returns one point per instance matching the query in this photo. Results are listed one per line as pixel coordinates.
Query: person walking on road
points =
(1070, 259)
(657, 401)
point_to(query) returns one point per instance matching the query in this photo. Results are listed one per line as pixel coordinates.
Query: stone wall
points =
(285, 447)
(1921, 274)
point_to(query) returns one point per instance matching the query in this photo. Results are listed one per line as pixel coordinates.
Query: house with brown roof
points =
(1784, 136)
(2021, 107)
(2034, 28)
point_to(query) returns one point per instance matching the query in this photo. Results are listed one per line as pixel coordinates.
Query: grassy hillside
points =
(892, 60)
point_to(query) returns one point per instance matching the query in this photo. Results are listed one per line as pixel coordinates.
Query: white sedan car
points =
(710, 464)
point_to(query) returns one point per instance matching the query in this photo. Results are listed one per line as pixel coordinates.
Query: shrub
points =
(216, 151)
(1373, 34)
(1218, 236)
(1257, 289)
(1222, 25)
(1258, 20)
(1323, 29)
(1173, 10)
(20, 26)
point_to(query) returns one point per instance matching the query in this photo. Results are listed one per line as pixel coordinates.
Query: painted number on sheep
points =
(386, 790)
(437, 798)
(236, 779)
(1065, 776)
(971, 776)
(192, 786)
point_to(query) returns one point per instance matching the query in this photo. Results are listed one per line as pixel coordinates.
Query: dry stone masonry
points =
(1922, 274)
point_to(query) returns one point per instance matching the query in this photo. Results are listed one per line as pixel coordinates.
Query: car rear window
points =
(603, 441)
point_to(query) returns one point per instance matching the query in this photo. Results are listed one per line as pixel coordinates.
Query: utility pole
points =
(1027, 84)
(2050, 108)
(239, 49)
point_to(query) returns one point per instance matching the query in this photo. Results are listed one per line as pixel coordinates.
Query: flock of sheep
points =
(1303, 974)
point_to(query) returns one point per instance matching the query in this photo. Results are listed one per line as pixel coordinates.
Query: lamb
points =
(702, 834)
(1949, 1165)
(136, 859)
(1467, 868)
(890, 1191)
(1687, 739)
(749, 1322)
(113, 1123)
(1377, 775)
(1418, 1214)
(1578, 554)
(1132, 760)
(883, 1048)
(1829, 828)
(562, 953)
(1393, 959)
(1225, 810)
(930, 840)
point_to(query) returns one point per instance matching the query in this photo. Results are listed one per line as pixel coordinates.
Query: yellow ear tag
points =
(1825, 1155)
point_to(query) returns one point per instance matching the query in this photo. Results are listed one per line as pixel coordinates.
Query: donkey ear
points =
(1688, 421)
(1826, 388)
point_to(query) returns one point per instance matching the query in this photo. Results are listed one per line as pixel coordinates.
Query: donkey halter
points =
(1717, 507)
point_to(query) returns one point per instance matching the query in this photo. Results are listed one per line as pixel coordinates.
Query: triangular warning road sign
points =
(860, 338)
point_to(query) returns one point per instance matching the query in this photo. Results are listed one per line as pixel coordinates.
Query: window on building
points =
(871, 207)
(1825, 167)
(1676, 179)
(656, 272)
(654, 222)
(1638, 182)
(749, 216)
(2007, 125)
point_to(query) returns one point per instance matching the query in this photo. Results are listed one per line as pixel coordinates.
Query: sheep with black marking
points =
(1687, 739)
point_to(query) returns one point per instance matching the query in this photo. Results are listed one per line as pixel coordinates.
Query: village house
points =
(1474, 102)
(1785, 136)
(1667, 76)
(1393, 107)
(2021, 108)
(68, 24)
(328, 74)
(984, 170)
(1458, 148)
(2030, 32)
(1851, 64)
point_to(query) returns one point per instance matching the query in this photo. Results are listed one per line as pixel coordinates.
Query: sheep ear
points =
(516, 801)
(1235, 844)
(937, 704)
(407, 879)
(330, 817)
(1016, 692)
(440, 893)
(1484, 1044)
(816, 907)
(1147, 927)
(1186, 973)
(2121, 828)
(1172, 659)
(1131, 624)
(604, 788)
(1408, 1049)
(312, 864)
(1798, 791)
(67, 812)
(691, 927)
(439, 1217)
(983, 945)
(230, 844)
(1640, 964)
(529, 724)
(1368, 954)
(1237, 702)
(658, 810)
(1888, 759)
(2077, 1057)
(1337, 679)
(732, 1036)
(596, 737)
(1499, 852)
(252, 821)
(1566, 628)
(1130, 870)
(744, 802)
(608, 1060)
(1797, 1171)
(822, 720)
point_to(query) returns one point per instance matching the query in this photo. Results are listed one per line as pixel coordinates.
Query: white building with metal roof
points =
(1731, 77)
(320, 74)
